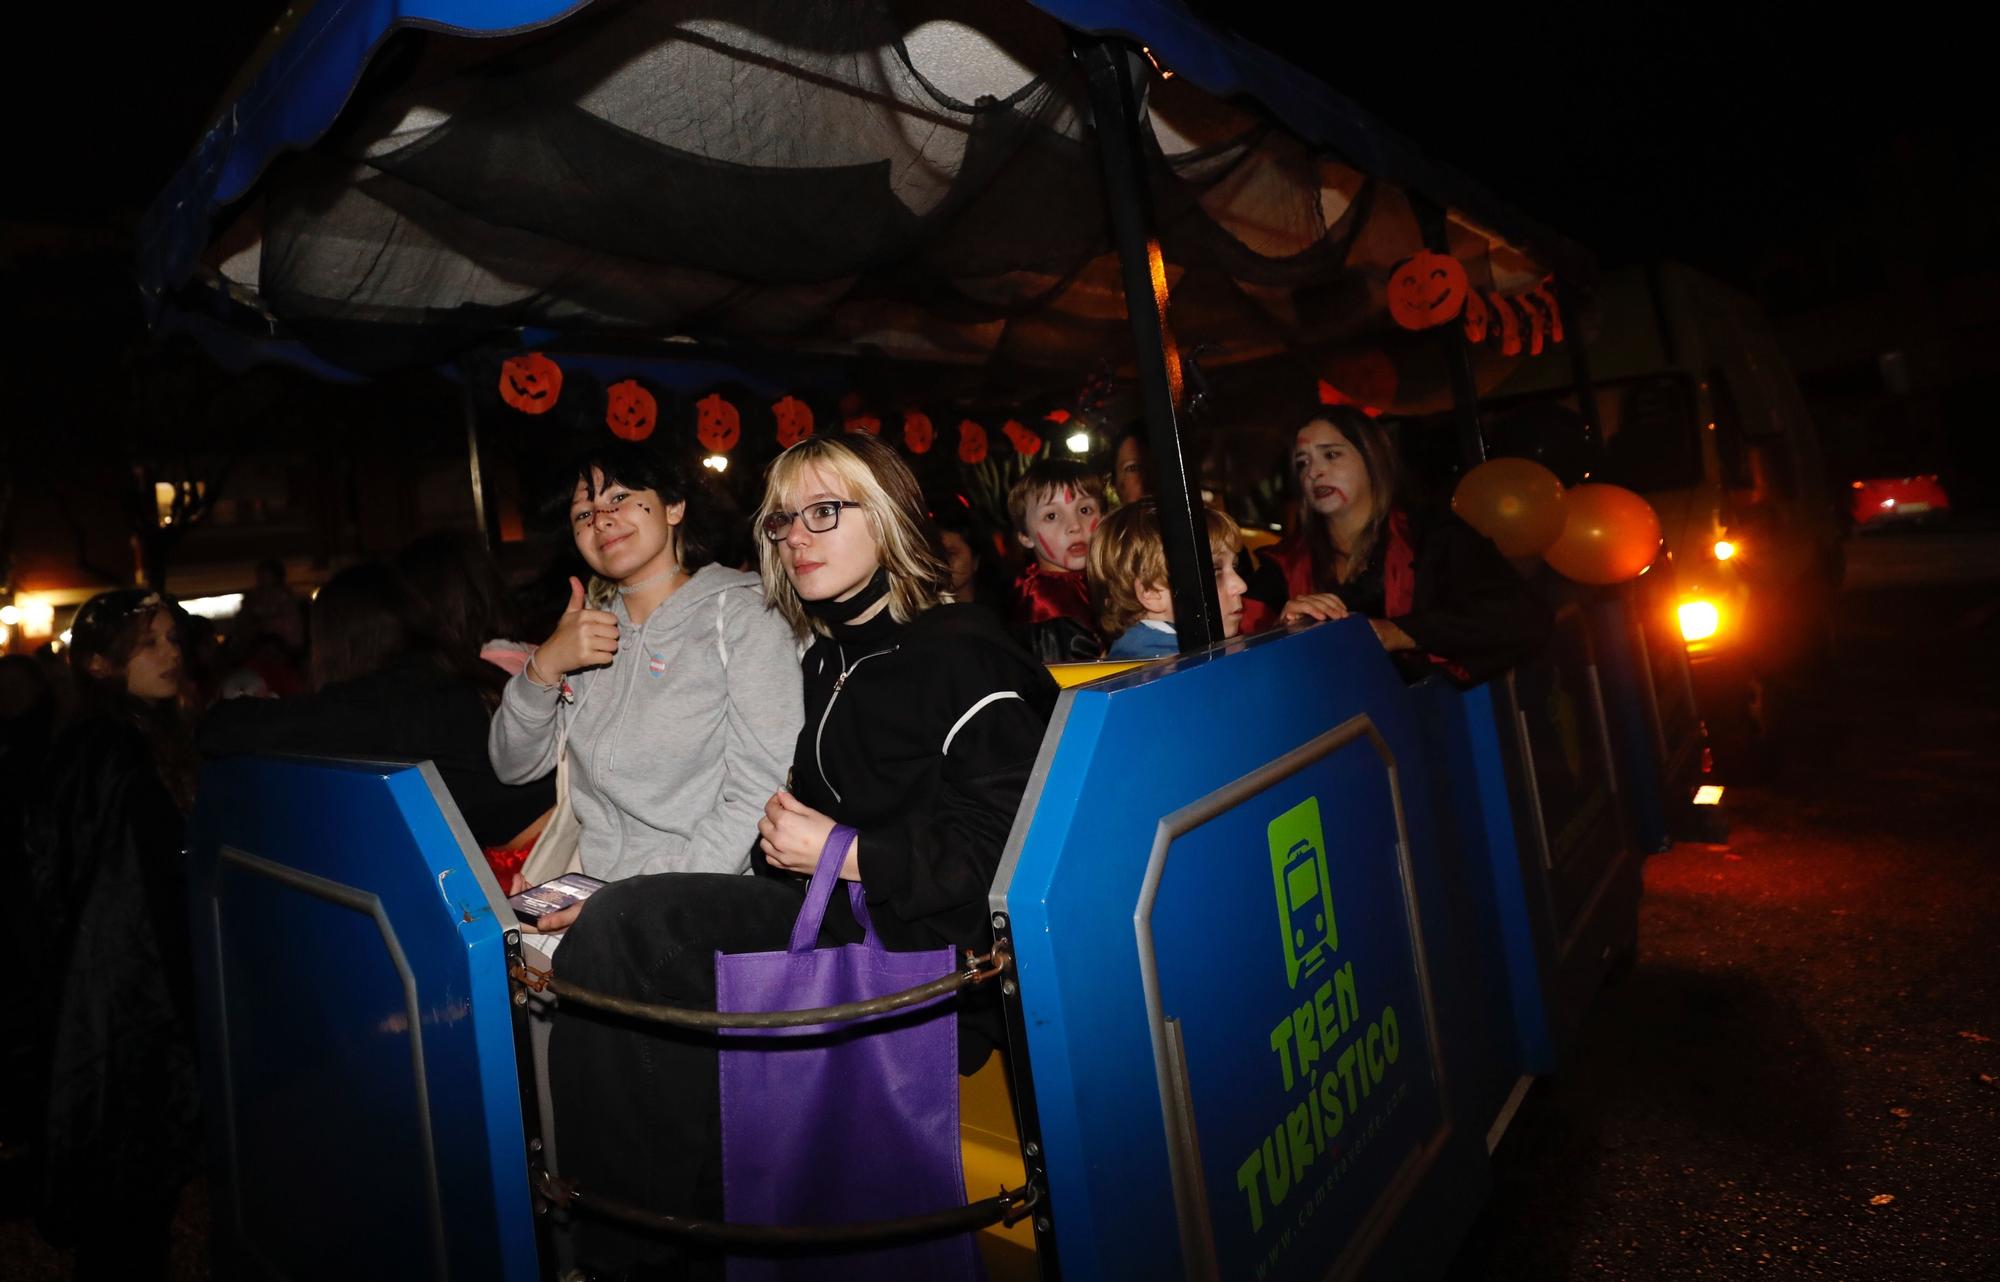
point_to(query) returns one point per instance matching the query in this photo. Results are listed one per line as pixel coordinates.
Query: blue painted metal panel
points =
(356, 1031)
(1499, 999)
(1629, 711)
(1124, 760)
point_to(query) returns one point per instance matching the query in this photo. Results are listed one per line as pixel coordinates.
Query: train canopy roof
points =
(911, 180)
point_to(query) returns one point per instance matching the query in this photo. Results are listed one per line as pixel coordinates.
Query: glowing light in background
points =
(1699, 620)
(1724, 549)
(716, 463)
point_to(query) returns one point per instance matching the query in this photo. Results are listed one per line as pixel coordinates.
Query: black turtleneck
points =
(932, 820)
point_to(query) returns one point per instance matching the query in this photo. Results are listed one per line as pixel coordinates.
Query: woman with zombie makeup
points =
(1438, 594)
(110, 983)
(677, 703)
(923, 720)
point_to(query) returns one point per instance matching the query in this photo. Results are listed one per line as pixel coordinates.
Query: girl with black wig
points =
(677, 702)
(110, 986)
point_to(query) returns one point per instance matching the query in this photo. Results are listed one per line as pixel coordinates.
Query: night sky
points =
(1639, 132)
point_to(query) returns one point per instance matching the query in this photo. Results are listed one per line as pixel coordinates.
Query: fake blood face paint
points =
(1059, 528)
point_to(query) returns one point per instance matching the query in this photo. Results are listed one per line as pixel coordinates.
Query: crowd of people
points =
(712, 726)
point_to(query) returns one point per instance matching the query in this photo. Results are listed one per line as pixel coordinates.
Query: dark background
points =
(1838, 171)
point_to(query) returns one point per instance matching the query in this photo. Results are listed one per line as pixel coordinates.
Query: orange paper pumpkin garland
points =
(1427, 290)
(530, 382)
(1475, 317)
(1024, 441)
(1508, 323)
(971, 443)
(718, 425)
(918, 432)
(1547, 294)
(630, 411)
(795, 420)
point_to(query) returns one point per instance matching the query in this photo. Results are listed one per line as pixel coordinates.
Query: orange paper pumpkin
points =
(717, 424)
(971, 442)
(1508, 321)
(530, 382)
(1365, 380)
(1547, 294)
(1025, 442)
(630, 411)
(1516, 502)
(866, 424)
(1475, 317)
(918, 432)
(795, 420)
(1058, 417)
(1427, 290)
(1609, 535)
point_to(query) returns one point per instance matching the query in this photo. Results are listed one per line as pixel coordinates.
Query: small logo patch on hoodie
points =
(657, 664)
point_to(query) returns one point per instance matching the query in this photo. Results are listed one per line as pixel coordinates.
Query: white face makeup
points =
(830, 565)
(1059, 528)
(624, 535)
(1333, 478)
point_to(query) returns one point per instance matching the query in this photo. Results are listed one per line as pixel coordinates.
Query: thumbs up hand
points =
(582, 639)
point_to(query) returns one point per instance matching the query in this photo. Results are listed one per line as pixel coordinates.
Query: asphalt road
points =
(1801, 1076)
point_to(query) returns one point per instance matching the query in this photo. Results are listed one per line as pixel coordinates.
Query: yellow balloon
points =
(1516, 502)
(1609, 536)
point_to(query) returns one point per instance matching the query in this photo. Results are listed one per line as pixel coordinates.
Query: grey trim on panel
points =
(1176, 1102)
(370, 905)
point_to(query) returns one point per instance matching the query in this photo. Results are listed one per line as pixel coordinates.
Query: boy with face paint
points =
(1055, 507)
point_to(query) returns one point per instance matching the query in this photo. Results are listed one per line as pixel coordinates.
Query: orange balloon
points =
(1516, 502)
(1609, 535)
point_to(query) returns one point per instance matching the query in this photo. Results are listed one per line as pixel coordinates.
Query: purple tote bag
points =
(837, 1123)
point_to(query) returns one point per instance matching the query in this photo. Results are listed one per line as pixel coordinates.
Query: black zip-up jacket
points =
(921, 736)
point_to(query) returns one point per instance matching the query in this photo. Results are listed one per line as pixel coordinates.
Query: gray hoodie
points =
(676, 746)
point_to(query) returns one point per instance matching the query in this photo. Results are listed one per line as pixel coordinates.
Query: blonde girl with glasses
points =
(922, 723)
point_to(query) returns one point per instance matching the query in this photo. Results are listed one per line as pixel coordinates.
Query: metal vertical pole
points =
(479, 506)
(1110, 68)
(1457, 352)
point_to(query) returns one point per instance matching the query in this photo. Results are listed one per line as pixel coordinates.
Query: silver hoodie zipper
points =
(846, 670)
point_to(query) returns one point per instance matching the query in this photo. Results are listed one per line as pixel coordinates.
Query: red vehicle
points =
(1899, 500)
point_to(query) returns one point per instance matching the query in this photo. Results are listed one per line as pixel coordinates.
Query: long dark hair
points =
(1378, 457)
(641, 467)
(357, 624)
(456, 604)
(109, 626)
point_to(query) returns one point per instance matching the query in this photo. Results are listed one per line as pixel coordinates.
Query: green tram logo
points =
(1336, 1088)
(1305, 899)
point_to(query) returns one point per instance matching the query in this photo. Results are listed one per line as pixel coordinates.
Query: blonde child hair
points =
(1128, 552)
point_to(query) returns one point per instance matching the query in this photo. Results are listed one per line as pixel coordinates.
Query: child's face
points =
(1158, 602)
(1229, 590)
(1059, 528)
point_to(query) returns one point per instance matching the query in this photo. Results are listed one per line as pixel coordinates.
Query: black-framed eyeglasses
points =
(819, 518)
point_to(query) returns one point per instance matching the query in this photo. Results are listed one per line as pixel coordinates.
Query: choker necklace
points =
(627, 589)
(837, 612)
